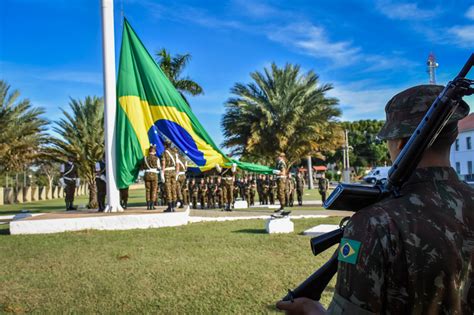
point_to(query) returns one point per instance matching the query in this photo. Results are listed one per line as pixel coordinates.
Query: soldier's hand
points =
(301, 306)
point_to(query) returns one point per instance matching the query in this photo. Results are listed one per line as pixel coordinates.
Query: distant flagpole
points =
(110, 103)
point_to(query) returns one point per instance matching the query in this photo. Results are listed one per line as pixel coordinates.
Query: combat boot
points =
(152, 206)
(169, 209)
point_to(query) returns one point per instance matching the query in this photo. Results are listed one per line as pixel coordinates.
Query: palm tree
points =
(173, 67)
(81, 138)
(22, 130)
(282, 110)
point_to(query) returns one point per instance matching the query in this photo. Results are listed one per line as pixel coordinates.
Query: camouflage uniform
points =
(169, 167)
(202, 193)
(194, 192)
(416, 251)
(253, 188)
(185, 190)
(291, 191)
(299, 188)
(220, 192)
(259, 183)
(412, 254)
(151, 164)
(101, 184)
(228, 187)
(273, 191)
(211, 188)
(323, 186)
(266, 190)
(70, 178)
(281, 182)
(246, 190)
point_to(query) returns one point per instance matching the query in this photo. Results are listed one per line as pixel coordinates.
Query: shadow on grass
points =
(251, 231)
(4, 229)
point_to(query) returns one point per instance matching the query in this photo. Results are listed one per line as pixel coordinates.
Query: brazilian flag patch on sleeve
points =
(348, 251)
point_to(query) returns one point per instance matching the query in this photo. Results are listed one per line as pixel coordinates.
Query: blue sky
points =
(369, 50)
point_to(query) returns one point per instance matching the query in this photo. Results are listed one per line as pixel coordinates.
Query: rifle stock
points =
(356, 197)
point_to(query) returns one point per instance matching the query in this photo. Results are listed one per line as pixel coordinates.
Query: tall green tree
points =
(81, 138)
(282, 110)
(22, 130)
(367, 150)
(173, 67)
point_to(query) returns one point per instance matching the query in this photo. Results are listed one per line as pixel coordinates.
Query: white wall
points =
(463, 155)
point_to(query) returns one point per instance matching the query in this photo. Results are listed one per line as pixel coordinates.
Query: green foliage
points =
(22, 130)
(81, 139)
(366, 149)
(173, 67)
(202, 268)
(282, 110)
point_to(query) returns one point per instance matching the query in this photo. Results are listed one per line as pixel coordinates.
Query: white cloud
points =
(463, 35)
(470, 13)
(405, 10)
(73, 76)
(312, 40)
(258, 10)
(360, 100)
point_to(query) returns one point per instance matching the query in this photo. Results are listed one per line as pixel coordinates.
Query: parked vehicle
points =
(377, 175)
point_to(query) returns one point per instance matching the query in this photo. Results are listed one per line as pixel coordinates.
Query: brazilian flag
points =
(148, 105)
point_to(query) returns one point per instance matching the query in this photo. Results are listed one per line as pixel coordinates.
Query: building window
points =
(456, 145)
(468, 143)
(458, 167)
(469, 167)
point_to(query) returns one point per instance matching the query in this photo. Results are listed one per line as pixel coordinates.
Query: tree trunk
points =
(92, 194)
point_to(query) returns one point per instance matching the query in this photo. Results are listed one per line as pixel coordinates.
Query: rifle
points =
(355, 197)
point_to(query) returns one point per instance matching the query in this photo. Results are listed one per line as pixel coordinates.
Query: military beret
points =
(406, 109)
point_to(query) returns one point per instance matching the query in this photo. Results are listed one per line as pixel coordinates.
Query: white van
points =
(378, 174)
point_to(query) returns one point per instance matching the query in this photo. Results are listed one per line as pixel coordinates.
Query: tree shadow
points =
(251, 231)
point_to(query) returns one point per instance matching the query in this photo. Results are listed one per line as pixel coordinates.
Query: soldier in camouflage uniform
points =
(219, 192)
(69, 180)
(266, 189)
(185, 190)
(273, 190)
(211, 189)
(291, 190)
(194, 192)
(299, 188)
(259, 182)
(323, 186)
(202, 193)
(151, 165)
(180, 180)
(246, 190)
(101, 184)
(228, 177)
(281, 173)
(411, 254)
(168, 166)
(253, 189)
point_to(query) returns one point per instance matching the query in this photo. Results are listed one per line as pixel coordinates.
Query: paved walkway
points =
(254, 212)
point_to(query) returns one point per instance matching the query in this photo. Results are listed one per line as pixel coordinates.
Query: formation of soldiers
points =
(166, 184)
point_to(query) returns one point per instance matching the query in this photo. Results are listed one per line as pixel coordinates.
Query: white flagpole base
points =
(110, 208)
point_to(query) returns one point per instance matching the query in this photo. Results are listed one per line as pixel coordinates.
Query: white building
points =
(462, 151)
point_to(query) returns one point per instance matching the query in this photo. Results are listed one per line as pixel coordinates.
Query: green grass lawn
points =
(206, 268)
(136, 198)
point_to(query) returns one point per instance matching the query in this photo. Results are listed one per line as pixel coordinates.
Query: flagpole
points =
(108, 53)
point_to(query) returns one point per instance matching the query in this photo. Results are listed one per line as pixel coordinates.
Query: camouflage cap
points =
(406, 109)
